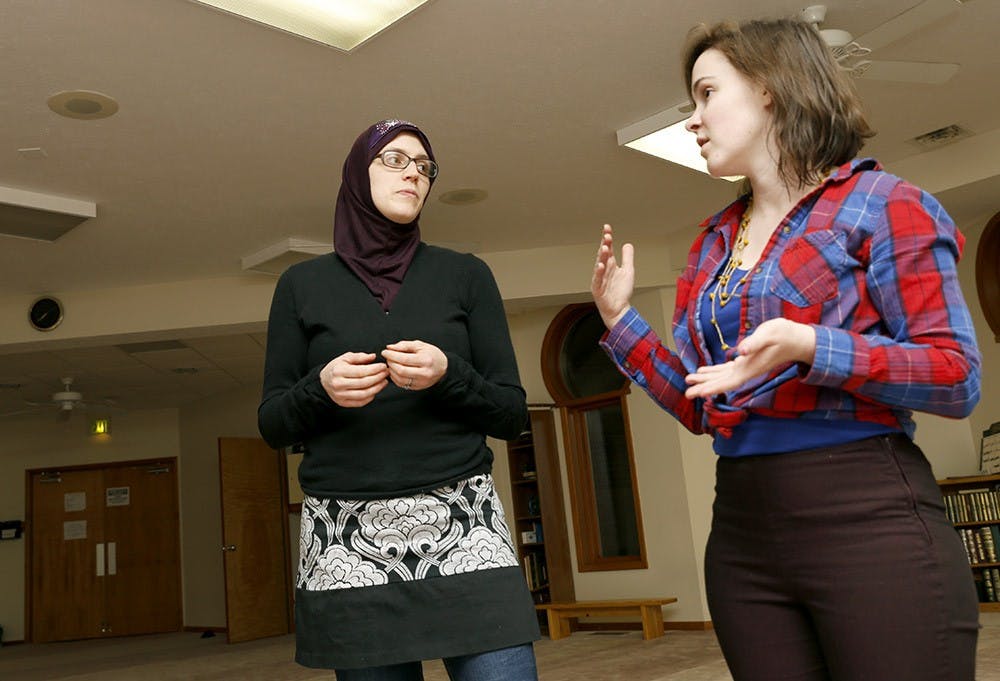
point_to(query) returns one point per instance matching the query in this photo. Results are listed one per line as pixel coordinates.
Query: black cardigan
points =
(403, 441)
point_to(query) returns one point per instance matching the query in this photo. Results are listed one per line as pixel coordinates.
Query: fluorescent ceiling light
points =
(45, 217)
(344, 24)
(663, 135)
(277, 258)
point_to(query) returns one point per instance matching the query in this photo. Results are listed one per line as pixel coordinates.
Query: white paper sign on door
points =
(74, 529)
(74, 501)
(118, 496)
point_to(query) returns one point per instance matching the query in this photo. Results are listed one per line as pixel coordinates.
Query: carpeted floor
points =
(607, 656)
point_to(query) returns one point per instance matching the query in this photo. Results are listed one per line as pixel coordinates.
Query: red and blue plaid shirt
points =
(869, 261)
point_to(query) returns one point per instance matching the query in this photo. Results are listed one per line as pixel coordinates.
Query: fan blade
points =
(909, 71)
(20, 411)
(908, 22)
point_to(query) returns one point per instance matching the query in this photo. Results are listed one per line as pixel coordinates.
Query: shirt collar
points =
(734, 211)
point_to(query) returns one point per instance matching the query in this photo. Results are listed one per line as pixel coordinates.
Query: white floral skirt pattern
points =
(455, 529)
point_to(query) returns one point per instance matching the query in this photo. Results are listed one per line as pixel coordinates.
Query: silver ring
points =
(408, 385)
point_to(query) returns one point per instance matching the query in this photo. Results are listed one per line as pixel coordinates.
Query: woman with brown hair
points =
(815, 313)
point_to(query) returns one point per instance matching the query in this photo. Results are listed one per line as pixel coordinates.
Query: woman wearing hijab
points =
(391, 361)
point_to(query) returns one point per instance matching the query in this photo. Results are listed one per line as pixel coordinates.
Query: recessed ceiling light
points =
(83, 104)
(463, 197)
(344, 24)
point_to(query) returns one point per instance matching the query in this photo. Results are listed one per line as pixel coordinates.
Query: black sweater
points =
(403, 441)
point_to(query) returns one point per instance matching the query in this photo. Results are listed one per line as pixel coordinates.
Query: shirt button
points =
(787, 229)
(747, 326)
(759, 270)
(627, 365)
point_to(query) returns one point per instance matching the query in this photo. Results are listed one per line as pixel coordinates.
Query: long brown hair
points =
(817, 115)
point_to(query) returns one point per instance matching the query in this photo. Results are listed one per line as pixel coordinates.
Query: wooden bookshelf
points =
(539, 517)
(972, 504)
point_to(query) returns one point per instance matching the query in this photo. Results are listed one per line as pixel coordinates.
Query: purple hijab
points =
(375, 248)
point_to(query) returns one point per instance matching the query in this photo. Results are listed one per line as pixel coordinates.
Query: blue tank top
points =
(767, 434)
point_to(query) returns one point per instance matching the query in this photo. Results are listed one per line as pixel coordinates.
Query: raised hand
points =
(414, 364)
(612, 284)
(354, 378)
(773, 343)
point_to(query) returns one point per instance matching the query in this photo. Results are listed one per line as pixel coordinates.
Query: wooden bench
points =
(563, 615)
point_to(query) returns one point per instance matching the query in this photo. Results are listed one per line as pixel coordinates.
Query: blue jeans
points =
(507, 664)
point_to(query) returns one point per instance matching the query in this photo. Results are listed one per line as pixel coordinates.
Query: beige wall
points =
(201, 425)
(42, 442)
(673, 536)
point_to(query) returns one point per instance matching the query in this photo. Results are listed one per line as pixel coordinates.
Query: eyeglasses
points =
(397, 160)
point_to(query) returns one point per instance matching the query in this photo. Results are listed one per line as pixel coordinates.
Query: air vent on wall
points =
(940, 137)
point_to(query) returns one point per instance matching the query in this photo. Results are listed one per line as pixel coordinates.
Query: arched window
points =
(590, 392)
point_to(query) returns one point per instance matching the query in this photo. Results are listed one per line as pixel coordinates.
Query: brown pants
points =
(838, 564)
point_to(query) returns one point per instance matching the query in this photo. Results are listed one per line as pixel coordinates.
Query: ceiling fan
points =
(65, 401)
(851, 53)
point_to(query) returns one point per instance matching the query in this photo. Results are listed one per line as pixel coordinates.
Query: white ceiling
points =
(230, 137)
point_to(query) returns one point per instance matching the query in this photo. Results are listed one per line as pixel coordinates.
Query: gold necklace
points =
(722, 292)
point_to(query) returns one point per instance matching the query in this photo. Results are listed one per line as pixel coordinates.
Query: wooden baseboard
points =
(689, 626)
(11, 643)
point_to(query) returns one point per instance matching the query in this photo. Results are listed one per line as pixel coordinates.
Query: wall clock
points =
(45, 313)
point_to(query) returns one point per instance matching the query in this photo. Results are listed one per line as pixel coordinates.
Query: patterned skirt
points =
(385, 581)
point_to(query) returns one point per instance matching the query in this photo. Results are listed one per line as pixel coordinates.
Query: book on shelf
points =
(980, 504)
(970, 546)
(535, 571)
(987, 536)
(990, 590)
(977, 540)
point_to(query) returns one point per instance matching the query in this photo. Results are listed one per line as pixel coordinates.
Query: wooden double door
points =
(103, 554)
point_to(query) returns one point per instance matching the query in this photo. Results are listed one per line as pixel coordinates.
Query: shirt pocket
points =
(808, 270)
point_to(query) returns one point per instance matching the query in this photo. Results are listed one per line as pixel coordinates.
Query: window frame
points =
(988, 274)
(573, 411)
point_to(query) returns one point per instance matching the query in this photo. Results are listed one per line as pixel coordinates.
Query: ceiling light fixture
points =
(277, 258)
(44, 217)
(82, 104)
(343, 24)
(663, 135)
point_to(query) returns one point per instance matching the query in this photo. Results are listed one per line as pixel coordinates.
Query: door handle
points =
(229, 547)
(112, 558)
